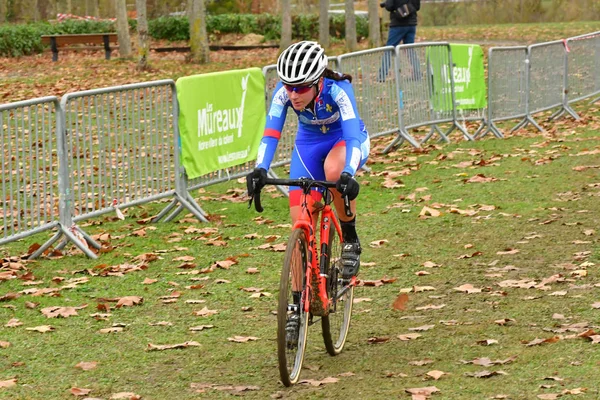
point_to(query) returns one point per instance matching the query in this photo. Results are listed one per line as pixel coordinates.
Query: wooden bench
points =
(56, 41)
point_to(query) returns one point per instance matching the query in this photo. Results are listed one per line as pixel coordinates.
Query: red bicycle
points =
(311, 283)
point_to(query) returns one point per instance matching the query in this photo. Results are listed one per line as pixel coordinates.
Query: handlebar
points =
(304, 183)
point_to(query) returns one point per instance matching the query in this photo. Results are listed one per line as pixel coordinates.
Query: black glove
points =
(255, 180)
(347, 186)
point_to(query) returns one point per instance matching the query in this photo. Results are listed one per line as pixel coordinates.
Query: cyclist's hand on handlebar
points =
(256, 180)
(347, 186)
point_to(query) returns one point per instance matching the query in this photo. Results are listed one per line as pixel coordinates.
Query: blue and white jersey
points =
(335, 116)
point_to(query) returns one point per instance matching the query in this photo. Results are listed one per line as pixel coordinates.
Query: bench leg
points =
(54, 48)
(106, 47)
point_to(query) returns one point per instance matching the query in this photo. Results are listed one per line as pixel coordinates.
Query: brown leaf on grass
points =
(427, 212)
(376, 340)
(125, 396)
(504, 321)
(113, 329)
(409, 336)
(242, 339)
(435, 374)
(205, 312)
(9, 296)
(129, 301)
(378, 243)
(487, 342)
(313, 382)
(425, 392)
(431, 264)
(485, 374)
(549, 396)
(149, 281)
(467, 288)
(152, 347)
(477, 253)
(420, 363)
(4, 345)
(8, 383)
(200, 328)
(400, 302)
(79, 391)
(64, 312)
(252, 271)
(41, 328)
(422, 328)
(13, 323)
(185, 258)
(538, 341)
(480, 178)
(86, 366)
(508, 251)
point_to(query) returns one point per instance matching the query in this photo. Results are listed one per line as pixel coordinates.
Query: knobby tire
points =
(291, 357)
(336, 324)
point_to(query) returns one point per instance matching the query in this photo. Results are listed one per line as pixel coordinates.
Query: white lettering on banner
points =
(212, 121)
(236, 155)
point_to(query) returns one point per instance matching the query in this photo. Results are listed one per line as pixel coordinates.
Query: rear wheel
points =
(336, 324)
(292, 321)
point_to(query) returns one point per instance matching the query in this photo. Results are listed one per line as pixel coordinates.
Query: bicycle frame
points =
(307, 222)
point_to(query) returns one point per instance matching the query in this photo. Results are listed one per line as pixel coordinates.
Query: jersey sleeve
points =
(273, 127)
(343, 96)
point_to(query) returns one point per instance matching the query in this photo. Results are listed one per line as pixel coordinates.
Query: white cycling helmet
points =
(302, 62)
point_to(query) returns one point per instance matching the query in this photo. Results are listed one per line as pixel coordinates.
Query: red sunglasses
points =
(299, 89)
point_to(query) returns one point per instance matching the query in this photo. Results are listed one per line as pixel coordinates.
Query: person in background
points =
(402, 29)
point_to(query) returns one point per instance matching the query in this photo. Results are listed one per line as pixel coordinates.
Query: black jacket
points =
(396, 19)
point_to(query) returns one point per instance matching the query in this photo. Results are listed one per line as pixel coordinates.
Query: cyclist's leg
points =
(334, 165)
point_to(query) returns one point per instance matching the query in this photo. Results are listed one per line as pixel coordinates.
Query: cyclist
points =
(331, 142)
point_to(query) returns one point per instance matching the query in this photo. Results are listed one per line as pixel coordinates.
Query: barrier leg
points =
(165, 211)
(45, 246)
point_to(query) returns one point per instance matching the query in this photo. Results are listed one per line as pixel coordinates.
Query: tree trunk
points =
(91, 8)
(324, 23)
(123, 29)
(286, 25)
(3, 11)
(351, 44)
(199, 50)
(374, 30)
(142, 29)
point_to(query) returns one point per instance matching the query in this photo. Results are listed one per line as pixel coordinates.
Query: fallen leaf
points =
(409, 336)
(86, 366)
(242, 339)
(201, 328)
(184, 345)
(13, 323)
(129, 301)
(79, 392)
(435, 374)
(8, 383)
(400, 302)
(42, 328)
(313, 382)
(4, 345)
(125, 395)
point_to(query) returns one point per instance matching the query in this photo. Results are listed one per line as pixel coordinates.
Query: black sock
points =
(296, 296)
(349, 231)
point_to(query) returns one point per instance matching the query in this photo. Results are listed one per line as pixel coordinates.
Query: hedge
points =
(25, 39)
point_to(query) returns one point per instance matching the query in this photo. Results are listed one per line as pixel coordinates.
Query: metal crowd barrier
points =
(121, 147)
(374, 81)
(507, 86)
(547, 78)
(583, 68)
(104, 149)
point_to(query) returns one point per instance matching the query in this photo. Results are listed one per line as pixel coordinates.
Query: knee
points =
(333, 172)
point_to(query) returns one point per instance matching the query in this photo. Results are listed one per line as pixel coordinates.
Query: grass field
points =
(495, 243)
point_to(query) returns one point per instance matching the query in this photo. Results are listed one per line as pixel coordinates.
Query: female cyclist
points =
(331, 142)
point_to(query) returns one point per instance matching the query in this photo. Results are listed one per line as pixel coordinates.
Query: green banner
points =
(469, 76)
(221, 119)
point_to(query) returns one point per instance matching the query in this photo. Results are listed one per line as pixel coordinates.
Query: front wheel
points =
(336, 324)
(292, 321)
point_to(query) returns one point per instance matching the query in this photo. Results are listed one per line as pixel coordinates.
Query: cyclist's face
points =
(302, 95)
